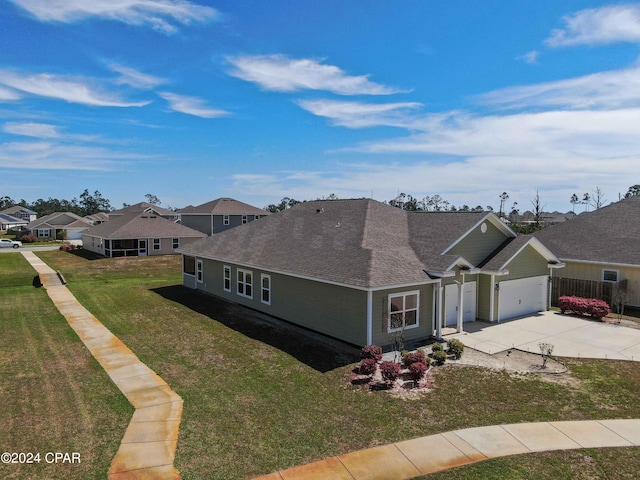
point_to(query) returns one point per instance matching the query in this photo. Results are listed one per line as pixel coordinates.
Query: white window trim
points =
(199, 271)
(245, 219)
(226, 269)
(156, 244)
(240, 273)
(264, 277)
(611, 270)
(175, 242)
(404, 327)
(225, 219)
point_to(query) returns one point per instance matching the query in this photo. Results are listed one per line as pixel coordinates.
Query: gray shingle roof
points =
(224, 206)
(610, 234)
(140, 208)
(143, 225)
(363, 242)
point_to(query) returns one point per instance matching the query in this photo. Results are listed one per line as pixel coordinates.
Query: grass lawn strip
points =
(248, 395)
(55, 396)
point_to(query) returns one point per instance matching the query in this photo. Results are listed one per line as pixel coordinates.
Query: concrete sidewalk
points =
(149, 444)
(571, 337)
(422, 456)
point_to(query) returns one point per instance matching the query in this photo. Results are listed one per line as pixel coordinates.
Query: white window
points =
(156, 244)
(225, 219)
(227, 278)
(176, 243)
(265, 281)
(199, 271)
(610, 275)
(44, 233)
(403, 310)
(245, 283)
(244, 219)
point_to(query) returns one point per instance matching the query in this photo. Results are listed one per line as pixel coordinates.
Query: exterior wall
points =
(476, 246)
(166, 245)
(485, 288)
(336, 311)
(587, 271)
(93, 244)
(202, 223)
(426, 323)
(234, 221)
(529, 263)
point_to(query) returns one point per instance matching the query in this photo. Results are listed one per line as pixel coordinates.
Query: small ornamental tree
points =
(368, 366)
(456, 347)
(371, 351)
(389, 371)
(414, 357)
(417, 371)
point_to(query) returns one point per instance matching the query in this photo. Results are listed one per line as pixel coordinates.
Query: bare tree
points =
(597, 200)
(504, 196)
(538, 209)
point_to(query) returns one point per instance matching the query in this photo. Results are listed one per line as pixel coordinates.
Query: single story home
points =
(601, 246)
(366, 272)
(59, 224)
(138, 234)
(219, 215)
(21, 212)
(8, 222)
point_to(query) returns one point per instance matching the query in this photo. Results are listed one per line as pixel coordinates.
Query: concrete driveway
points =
(570, 337)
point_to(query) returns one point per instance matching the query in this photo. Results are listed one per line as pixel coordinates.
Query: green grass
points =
(55, 396)
(258, 398)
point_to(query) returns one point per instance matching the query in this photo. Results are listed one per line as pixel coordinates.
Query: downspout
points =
(369, 317)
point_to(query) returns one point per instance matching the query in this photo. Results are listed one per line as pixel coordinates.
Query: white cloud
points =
(48, 155)
(612, 89)
(31, 129)
(192, 106)
(598, 26)
(135, 78)
(283, 74)
(161, 15)
(530, 57)
(8, 95)
(360, 115)
(71, 89)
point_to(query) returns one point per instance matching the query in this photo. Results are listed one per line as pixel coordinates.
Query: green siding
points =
(476, 246)
(529, 263)
(333, 310)
(380, 315)
(485, 286)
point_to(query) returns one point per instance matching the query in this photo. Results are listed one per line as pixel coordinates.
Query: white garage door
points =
(75, 233)
(522, 296)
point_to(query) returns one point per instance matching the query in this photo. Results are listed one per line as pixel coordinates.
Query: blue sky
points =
(258, 100)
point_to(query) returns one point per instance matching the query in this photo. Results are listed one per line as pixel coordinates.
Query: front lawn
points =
(258, 398)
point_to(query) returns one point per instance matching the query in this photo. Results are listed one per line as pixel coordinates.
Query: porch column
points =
(439, 316)
(460, 312)
(369, 317)
(492, 297)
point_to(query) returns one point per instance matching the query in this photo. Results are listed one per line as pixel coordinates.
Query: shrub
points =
(29, 238)
(414, 357)
(437, 347)
(584, 306)
(456, 347)
(373, 352)
(417, 371)
(368, 366)
(439, 357)
(390, 371)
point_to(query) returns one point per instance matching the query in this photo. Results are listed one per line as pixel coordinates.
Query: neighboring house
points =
(219, 215)
(602, 245)
(23, 213)
(8, 221)
(97, 218)
(138, 234)
(363, 271)
(144, 207)
(59, 224)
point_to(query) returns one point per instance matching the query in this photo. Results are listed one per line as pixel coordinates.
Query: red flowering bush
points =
(414, 357)
(390, 371)
(584, 306)
(368, 366)
(371, 351)
(417, 371)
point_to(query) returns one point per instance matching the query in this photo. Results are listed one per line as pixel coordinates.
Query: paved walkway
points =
(422, 456)
(148, 447)
(570, 336)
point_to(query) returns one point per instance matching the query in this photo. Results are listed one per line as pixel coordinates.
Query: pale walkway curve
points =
(422, 456)
(147, 450)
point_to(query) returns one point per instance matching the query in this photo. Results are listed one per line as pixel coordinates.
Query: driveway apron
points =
(147, 450)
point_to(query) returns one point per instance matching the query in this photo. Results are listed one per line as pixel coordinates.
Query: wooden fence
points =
(585, 288)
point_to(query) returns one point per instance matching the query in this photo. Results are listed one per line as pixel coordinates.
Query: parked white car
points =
(5, 242)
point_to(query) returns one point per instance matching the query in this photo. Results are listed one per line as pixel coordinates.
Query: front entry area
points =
(452, 303)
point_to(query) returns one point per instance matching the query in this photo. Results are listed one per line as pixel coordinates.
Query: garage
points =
(522, 297)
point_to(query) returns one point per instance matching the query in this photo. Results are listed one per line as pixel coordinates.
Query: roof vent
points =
(319, 210)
